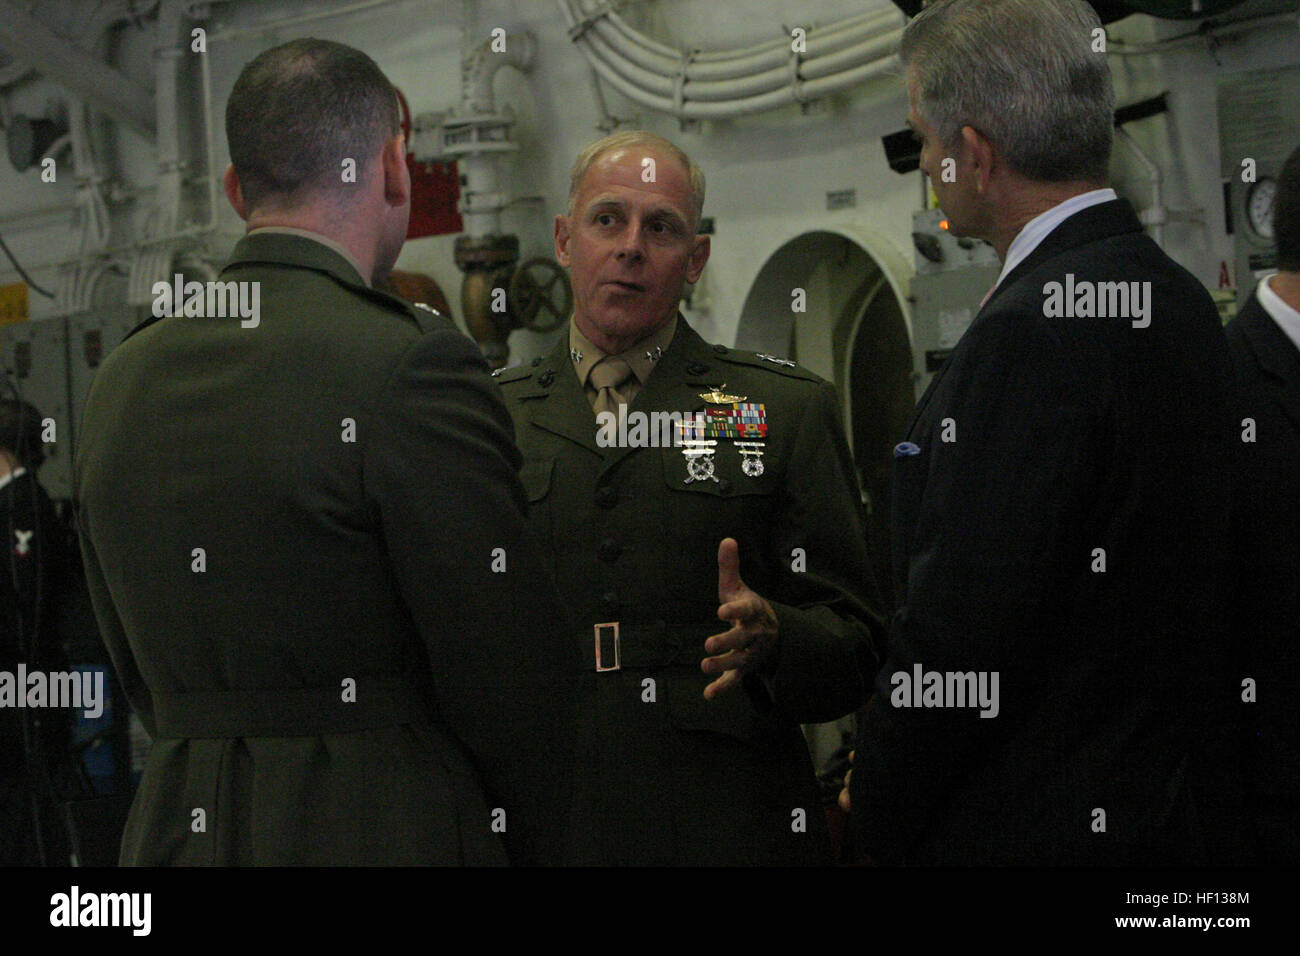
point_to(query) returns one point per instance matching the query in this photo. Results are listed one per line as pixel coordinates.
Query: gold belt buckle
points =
(601, 658)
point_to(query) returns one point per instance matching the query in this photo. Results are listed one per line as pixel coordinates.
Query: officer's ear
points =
(234, 193)
(397, 178)
(562, 240)
(699, 256)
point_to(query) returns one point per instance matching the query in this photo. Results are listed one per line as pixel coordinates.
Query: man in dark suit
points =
(304, 529)
(1056, 667)
(33, 580)
(689, 749)
(1264, 340)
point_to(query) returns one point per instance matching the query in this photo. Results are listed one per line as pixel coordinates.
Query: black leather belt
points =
(289, 711)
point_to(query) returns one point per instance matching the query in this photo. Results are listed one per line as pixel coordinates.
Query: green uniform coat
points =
(326, 559)
(665, 776)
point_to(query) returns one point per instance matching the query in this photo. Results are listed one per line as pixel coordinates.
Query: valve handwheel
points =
(540, 295)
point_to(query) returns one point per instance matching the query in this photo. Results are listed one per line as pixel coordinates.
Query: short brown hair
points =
(298, 110)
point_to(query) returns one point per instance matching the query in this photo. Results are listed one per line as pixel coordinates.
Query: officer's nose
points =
(631, 246)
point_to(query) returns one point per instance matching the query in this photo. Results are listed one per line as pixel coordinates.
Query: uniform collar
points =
(643, 357)
(298, 247)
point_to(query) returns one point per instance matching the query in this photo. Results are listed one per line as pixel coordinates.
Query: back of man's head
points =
(1025, 73)
(1286, 215)
(297, 112)
(20, 433)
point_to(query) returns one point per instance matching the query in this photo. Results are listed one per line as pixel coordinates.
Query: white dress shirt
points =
(1287, 318)
(1038, 228)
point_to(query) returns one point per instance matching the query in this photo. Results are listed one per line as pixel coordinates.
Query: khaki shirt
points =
(642, 357)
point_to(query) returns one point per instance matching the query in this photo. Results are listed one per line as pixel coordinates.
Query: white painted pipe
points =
(734, 64)
(672, 89)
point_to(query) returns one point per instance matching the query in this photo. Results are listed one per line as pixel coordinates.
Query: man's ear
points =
(234, 193)
(980, 152)
(562, 240)
(397, 178)
(699, 256)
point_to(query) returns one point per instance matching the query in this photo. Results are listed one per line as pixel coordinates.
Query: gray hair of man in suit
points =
(1022, 72)
(1021, 86)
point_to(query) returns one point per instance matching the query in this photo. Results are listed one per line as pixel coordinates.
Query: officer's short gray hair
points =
(637, 137)
(1022, 72)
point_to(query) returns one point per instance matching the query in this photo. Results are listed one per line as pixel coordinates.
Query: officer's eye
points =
(604, 219)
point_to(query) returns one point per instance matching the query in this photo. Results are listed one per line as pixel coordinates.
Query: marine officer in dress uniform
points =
(304, 532)
(718, 580)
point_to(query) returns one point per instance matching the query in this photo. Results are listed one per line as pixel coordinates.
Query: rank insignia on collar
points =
(575, 355)
(718, 397)
(654, 354)
(774, 360)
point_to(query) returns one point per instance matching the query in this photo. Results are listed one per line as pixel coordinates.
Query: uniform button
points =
(610, 600)
(606, 496)
(609, 550)
(696, 368)
(546, 379)
(724, 484)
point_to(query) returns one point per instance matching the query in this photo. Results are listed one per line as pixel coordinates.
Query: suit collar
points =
(1113, 218)
(1099, 221)
(1275, 353)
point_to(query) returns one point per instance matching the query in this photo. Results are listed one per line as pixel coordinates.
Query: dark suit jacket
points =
(1071, 434)
(34, 583)
(664, 776)
(1267, 618)
(348, 476)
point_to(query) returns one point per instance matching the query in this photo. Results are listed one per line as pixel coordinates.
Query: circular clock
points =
(1259, 207)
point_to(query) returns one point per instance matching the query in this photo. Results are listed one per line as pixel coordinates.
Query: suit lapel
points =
(1111, 218)
(560, 406)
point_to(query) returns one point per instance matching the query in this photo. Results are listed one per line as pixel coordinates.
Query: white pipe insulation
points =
(723, 84)
(483, 198)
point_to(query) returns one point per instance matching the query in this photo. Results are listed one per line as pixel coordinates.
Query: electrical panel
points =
(952, 275)
(51, 364)
(36, 356)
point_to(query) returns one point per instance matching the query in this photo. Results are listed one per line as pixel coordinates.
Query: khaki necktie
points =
(607, 377)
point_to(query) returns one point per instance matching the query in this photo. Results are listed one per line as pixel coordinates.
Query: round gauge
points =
(1259, 207)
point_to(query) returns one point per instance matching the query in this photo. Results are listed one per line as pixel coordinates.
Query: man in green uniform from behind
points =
(304, 531)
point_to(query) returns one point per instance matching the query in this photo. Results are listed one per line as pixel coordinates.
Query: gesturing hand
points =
(752, 638)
